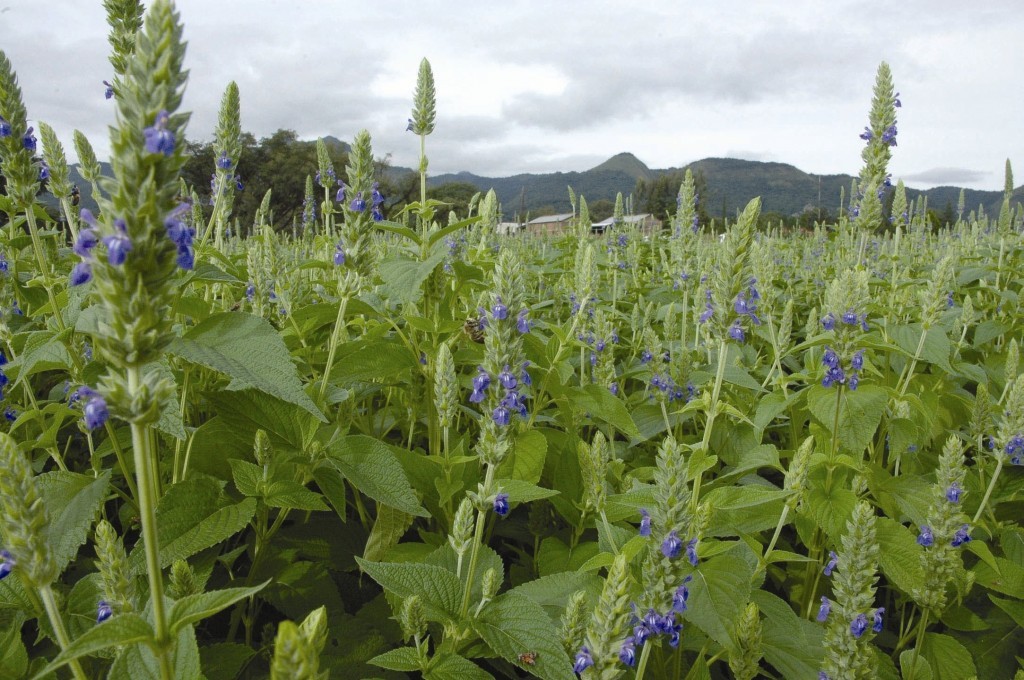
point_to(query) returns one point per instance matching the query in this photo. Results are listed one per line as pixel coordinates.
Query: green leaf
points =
(831, 509)
(936, 346)
(194, 608)
(555, 590)
(118, 631)
(949, 659)
(73, 502)
(512, 625)
(223, 660)
(745, 509)
(523, 492)
(526, 461)
(138, 662)
(43, 351)
(719, 592)
(1009, 580)
(332, 486)
(791, 644)
(249, 410)
(373, 469)
(602, 405)
(403, 277)
(249, 350)
(13, 655)
(860, 412)
(917, 669)
(287, 493)
(900, 555)
(247, 477)
(378, 360)
(388, 529)
(439, 588)
(401, 659)
(170, 409)
(1014, 609)
(448, 666)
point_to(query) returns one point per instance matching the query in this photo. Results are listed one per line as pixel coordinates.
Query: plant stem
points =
(988, 491)
(642, 666)
(712, 413)
(339, 324)
(775, 536)
(50, 604)
(147, 485)
(917, 644)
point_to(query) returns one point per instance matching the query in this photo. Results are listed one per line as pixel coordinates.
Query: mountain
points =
(730, 182)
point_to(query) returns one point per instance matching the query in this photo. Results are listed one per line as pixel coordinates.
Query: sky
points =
(545, 86)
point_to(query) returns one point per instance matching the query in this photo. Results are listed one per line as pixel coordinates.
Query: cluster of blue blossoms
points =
(358, 203)
(860, 622)
(1015, 449)
(95, 412)
(9, 413)
(511, 401)
(835, 374)
(745, 305)
(28, 140)
(962, 535)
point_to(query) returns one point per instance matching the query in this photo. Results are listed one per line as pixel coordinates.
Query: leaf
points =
(332, 486)
(935, 349)
(440, 589)
(791, 644)
(373, 469)
(900, 555)
(170, 409)
(247, 477)
(118, 631)
(194, 608)
(556, 589)
(43, 351)
(830, 510)
(745, 509)
(249, 350)
(602, 405)
(949, 659)
(388, 529)
(401, 659)
(1009, 580)
(860, 413)
(447, 666)
(917, 669)
(223, 660)
(287, 493)
(13, 655)
(383, 358)
(719, 592)
(1014, 609)
(403, 277)
(523, 492)
(73, 502)
(138, 662)
(512, 624)
(526, 461)
(247, 411)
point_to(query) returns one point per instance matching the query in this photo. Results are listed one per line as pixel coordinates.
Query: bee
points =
(474, 329)
(76, 195)
(528, 658)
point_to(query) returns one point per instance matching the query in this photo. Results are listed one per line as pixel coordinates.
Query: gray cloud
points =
(954, 176)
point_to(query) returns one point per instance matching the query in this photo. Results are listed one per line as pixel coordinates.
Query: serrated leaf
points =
(454, 667)
(287, 493)
(73, 502)
(512, 624)
(918, 668)
(440, 589)
(138, 662)
(388, 529)
(401, 659)
(900, 555)
(119, 631)
(13, 655)
(949, 659)
(860, 412)
(719, 592)
(43, 351)
(249, 350)
(246, 476)
(332, 486)
(403, 277)
(382, 359)
(373, 469)
(601, 404)
(523, 492)
(194, 608)
(223, 660)
(791, 644)
(526, 461)
(247, 411)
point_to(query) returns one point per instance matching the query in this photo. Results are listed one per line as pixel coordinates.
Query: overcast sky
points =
(540, 86)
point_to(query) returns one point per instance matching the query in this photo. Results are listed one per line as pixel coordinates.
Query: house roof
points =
(551, 218)
(629, 219)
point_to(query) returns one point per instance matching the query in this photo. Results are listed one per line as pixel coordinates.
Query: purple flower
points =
(709, 311)
(627, 653)
(95, 412)
(961, 536)
(849, 317)
(501, 416)
(376, 198)
(109, 92)
(645, 522)
(501, 504)
(409, 128)
(857, 362)
(867, 134)
(583, 660)
(358, 204)
(641, 632)
(339, 255)
(672, 546)
(833, 560)
(926, 538)
(691, 551)
(376, 215)
(859, 625)
(80, 273)
(5, 128)
(828, 322)
(680, 597)
(896, 101)
(250, 291)
(103, 612)
(524, 377)
(523, 325)
(29, 140)
(853, 382)
(830, 358)
(507, 379)
(180, 233)
(953, 492)
(824, 609)
(224, 161)
(10, 414)
(499, 311)
(44, 172)
(186, 258)
(646, 356)
(86, 241)
(339, 196)
(736, 332)
(6, 564)
(481, 380)
(889, 136)
(118, 245)
(158, 139)
(877, 625)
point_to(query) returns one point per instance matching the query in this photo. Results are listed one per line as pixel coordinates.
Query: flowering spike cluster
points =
(424, 102)
(848, 654)
(835, 374)
(879, 137)
(23, 518)
(603, 641)
(1010, 434)
(119, 592)
(17, 144)
(594, 459)
(745, 657)
(358, 224)
(732, 286)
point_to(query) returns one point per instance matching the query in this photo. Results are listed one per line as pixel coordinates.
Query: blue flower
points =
(103, 612)
(86, 241)
(824, 609)
(736, 332)
(849, 317)
(6, 564)
(953, 493)
(926, 538)
(118, 245)
(709, 311)
(877, 625)
(641, 632)
(646, 356)
(501, 504)
(29, 140)
(158, 139)
(859, 625)
(499, 311)
(339, 255)
(44, 172)
(358, 204)
(833, 560)
(681, 596)
(645, 522)
(109, 92)
(409, 128)
(691, 551)
(81, 273)
(5, 128)
(828, 322)
(376, 198)
(186, 258)
(867, 134)
(961, 536)
(339, 196)
(523, 324)
(501, 416)
(830, 358)
(627, 653)
(889, 136)
(853, 382)
(95, 412)
(857, 362)
(224, 161)
(896, 101)
(376, 214)
(10, 414)
(672, 546)
(583, 660)
(507, 379)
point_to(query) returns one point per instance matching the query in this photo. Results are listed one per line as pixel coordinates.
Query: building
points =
(549, 225)
(645, 222)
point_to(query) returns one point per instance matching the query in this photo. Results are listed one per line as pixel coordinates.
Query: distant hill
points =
(731, 183)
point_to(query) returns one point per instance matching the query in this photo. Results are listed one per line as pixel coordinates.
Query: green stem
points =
(775, 536)
(917, 644)
(339, 324)
(50, 604)
(641, 667)
(913, 362)
(834, 450)
(37, 247)
(712, 413)
(481, 519)
(988, 491)
(147, 485)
